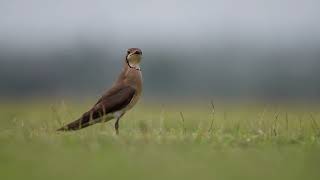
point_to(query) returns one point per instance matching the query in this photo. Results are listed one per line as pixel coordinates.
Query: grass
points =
(239, 141)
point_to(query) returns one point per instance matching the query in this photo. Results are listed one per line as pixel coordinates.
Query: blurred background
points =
(226, 49)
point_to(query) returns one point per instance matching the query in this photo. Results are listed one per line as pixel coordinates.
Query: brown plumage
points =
(122, 96)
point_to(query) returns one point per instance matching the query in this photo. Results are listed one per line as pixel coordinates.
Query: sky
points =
(168, 23)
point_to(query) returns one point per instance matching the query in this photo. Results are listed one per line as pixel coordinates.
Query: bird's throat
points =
(133, 63)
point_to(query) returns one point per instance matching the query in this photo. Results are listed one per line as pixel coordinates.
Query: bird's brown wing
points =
(115, 99)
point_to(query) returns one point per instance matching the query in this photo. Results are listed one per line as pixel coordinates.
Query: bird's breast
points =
(134, 79)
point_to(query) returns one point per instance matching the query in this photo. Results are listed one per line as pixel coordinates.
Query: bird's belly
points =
(133, 102)
(112, 115)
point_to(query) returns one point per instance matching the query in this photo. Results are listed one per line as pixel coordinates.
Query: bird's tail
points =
(76, 125)
(80, 123)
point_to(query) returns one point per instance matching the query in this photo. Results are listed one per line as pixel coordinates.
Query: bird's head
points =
(133, 57)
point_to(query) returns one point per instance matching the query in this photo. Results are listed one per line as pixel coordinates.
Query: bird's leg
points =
(116, 126)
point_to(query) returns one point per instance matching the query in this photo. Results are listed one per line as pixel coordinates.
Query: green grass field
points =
(239, 141)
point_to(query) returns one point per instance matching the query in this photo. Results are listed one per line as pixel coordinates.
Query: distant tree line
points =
(225, 72)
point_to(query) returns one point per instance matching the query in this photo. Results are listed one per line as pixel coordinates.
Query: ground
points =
(162, 141)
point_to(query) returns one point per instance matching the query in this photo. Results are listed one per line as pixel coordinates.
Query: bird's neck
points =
(131, 76)
(130, 65)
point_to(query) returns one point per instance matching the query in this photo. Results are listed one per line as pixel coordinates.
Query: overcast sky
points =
(125, 23)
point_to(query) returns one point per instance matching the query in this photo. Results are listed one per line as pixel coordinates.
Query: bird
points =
(115, 102)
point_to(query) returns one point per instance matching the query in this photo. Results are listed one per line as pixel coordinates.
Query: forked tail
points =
(80, 123)
(76, 125)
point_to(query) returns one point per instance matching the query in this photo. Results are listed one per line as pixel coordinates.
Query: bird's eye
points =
(128, 52)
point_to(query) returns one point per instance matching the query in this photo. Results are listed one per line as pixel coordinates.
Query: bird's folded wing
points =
(114, 100)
